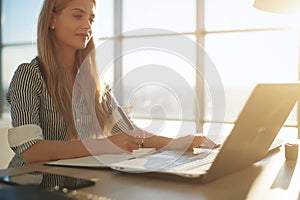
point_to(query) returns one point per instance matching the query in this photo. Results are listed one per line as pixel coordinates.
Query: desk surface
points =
(271, 178)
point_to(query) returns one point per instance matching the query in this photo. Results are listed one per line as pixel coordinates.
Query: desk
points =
(271, 178)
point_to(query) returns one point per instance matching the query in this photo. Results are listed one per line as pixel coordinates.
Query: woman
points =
(40, 96)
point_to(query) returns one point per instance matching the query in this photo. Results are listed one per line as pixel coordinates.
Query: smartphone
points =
(49, 181)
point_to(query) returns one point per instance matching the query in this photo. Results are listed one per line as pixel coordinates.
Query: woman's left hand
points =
(203, 142)
(188, 143)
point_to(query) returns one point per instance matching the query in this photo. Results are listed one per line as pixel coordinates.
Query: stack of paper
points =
(102, 160)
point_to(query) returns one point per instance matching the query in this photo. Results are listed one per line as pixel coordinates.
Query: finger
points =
(208, 143)
(141, 133)
(141, 136)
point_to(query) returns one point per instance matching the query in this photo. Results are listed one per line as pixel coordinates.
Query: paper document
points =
(102, 160)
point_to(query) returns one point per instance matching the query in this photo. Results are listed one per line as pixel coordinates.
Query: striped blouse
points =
(35, 118)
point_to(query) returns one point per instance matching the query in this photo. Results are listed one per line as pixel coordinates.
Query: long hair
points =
(54, 73)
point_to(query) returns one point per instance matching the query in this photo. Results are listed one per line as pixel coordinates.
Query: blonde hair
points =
(53, 71)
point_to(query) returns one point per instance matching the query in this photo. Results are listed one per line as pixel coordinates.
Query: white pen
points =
(125, 118)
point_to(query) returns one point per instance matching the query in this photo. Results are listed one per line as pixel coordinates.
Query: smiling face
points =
(73, 25)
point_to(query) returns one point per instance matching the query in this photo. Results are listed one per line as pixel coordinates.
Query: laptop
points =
(254, 131)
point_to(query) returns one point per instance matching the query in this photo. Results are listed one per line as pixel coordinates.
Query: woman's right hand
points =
(128, 141)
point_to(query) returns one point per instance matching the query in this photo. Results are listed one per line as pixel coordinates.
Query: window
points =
(19, 20)
(250, 46)
(244, 45)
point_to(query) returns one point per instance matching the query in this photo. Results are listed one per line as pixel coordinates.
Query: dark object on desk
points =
(29, 193)
(48, 181)
(291, 151)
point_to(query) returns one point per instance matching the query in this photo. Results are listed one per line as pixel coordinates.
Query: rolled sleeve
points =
(23, 137)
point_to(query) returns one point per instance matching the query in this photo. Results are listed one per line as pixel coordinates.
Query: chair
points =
(6, 153)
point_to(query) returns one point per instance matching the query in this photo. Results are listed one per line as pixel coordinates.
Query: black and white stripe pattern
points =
(31, 103)
(23, 147)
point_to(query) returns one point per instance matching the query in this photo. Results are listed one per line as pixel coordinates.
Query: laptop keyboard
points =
(186, 162)
(169, 161)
